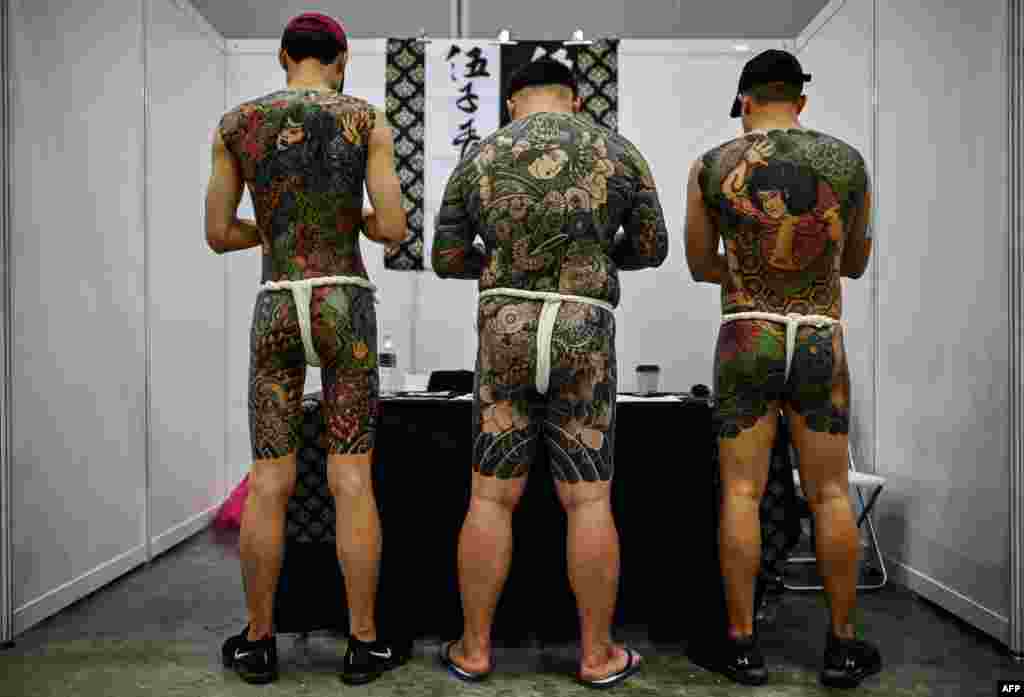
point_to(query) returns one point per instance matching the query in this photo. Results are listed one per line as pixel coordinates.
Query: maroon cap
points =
(314, 21)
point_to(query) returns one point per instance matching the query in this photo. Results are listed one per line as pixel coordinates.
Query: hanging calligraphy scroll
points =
(464, 97)
(406, 76)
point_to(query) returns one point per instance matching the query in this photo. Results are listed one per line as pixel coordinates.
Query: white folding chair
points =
(860, 481)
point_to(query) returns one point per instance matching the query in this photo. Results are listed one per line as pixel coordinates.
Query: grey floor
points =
(158, 631)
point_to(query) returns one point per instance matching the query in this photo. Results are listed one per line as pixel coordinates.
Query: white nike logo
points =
(241, 654)
(386, 654)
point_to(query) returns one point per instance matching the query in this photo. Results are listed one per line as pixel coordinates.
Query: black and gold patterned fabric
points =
(406, 96)
(597, 73)
(310, 514)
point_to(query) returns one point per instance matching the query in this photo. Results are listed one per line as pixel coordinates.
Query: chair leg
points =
(878, 555)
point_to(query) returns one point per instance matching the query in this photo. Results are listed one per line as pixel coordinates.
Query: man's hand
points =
(760, 152)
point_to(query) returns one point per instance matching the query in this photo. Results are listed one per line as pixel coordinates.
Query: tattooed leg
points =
(579, 428)
(350, 398)
(744, 463)
(750, 366)
(819, 417)
(276, 378)
(345, 336)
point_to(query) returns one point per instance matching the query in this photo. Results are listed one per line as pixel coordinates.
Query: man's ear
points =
(281, 59)
(800, 105)
(511, 106)
(577, 105)
(747, 104)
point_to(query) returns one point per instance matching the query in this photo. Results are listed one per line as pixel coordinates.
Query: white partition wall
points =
(187, 62)
(836, 49)
(79, 335)
(943, 398)
(253, 71)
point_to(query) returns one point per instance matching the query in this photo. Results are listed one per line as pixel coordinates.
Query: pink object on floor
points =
(230, 515)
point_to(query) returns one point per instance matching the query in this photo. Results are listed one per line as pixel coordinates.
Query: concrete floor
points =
(158, 631)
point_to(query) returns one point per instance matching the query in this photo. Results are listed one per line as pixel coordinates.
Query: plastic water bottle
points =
(387, 359)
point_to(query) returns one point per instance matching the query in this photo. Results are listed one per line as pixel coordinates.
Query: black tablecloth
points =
(664, 497)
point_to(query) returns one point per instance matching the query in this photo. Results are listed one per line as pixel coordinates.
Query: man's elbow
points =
(215, 241)
(854, 270)
(698, 271)
(394, 229)
(660, 256)
(440, 267)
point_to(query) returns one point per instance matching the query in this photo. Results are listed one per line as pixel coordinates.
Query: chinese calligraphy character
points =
(452, 52)
(477, 65)
(468, 102)
(466, 137)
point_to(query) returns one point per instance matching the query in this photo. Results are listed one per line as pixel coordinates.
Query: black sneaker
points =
(254, 661)
(848, 662)
(742, 662)
(365, 662)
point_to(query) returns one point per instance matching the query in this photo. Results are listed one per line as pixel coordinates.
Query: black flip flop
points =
(632, 666)
(464, 675)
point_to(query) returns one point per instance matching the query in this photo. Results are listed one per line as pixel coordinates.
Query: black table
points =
(664, 497)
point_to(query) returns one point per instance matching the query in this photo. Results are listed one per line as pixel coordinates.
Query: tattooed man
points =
(547, 194)
(305, 153)
(792, 206)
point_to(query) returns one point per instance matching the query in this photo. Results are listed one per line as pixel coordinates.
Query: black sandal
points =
(464, 675)
(632, 667)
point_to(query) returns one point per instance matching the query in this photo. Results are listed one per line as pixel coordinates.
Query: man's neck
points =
(307, 81)
(767, 122)
(541, 107)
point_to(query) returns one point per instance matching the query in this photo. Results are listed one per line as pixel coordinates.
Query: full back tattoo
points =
(547, 195)
(303, 156)
(782, 201)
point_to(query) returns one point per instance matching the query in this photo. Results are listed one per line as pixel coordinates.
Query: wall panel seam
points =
(6, 336)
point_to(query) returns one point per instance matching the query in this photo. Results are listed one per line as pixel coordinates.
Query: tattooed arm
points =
(706, 263)
(224, 231)
(454, 255)
(857, 251)
(645, 242)
(386, 221)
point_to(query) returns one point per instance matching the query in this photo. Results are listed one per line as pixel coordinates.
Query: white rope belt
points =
(302, 292)
(545, 323)
(793, 322)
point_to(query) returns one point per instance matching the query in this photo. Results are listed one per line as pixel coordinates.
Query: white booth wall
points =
(943, 361)
(81, 492)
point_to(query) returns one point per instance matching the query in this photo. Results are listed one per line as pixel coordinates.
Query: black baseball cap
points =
(769, 66)
(541, 73)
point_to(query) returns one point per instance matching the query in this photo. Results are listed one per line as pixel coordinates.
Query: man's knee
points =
(583, 495)
(273, 479)
(743, 489)
(350, 477)
(495, 492)
(826, 493)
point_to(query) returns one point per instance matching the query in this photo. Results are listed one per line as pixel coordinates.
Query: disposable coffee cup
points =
(647, 379)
